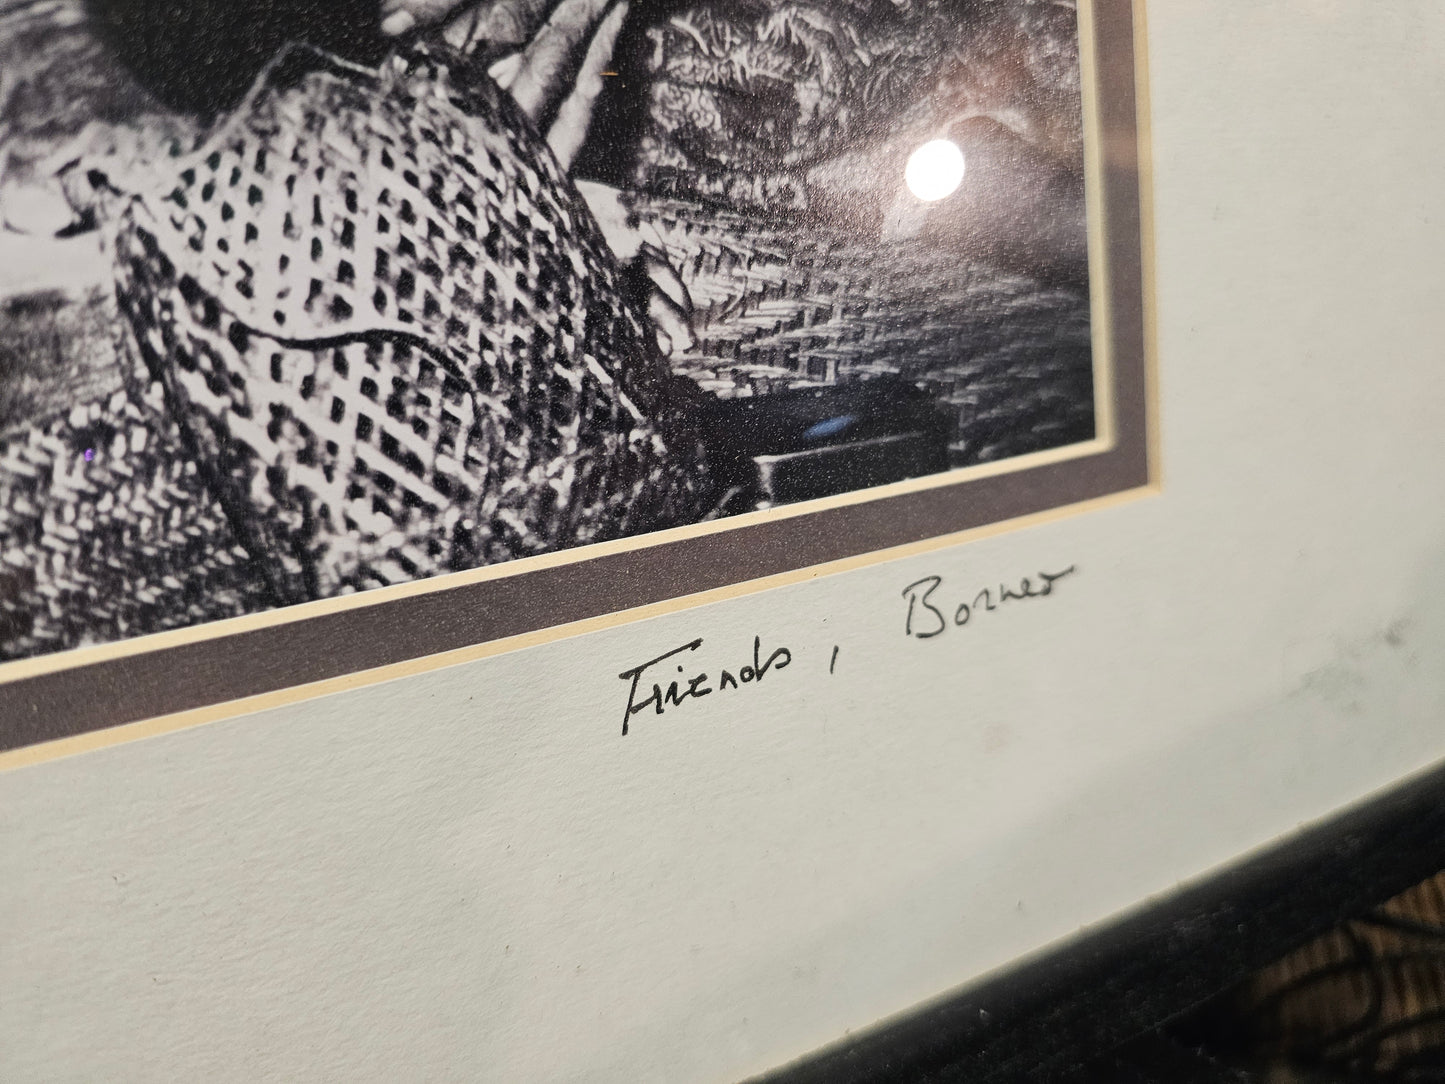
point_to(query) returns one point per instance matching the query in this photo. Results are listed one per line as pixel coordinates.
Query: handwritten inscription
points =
(929, 615)
(696, 685)
(673, 678)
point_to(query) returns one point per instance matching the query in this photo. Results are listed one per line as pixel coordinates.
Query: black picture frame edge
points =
(1126, 976)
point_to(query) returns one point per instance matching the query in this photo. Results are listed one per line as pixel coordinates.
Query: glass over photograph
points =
(302, 299)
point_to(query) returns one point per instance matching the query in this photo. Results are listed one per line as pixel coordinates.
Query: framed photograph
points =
(598, 540)
(326, 345)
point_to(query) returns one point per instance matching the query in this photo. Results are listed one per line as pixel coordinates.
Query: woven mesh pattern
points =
(783, 304)
(371, 334)
(392, 331)
(107, 532)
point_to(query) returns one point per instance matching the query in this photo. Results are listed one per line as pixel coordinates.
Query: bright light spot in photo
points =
(934, 170)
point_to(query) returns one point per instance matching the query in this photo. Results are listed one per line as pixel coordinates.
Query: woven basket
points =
(109, 531)
(373, 334)
(783, 303)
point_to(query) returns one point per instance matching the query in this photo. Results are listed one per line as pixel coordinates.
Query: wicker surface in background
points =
(1366, 998)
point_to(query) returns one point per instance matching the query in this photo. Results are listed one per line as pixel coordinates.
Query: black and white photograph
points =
(304, 299)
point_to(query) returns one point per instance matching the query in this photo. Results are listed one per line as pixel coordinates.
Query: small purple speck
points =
(89, 454)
